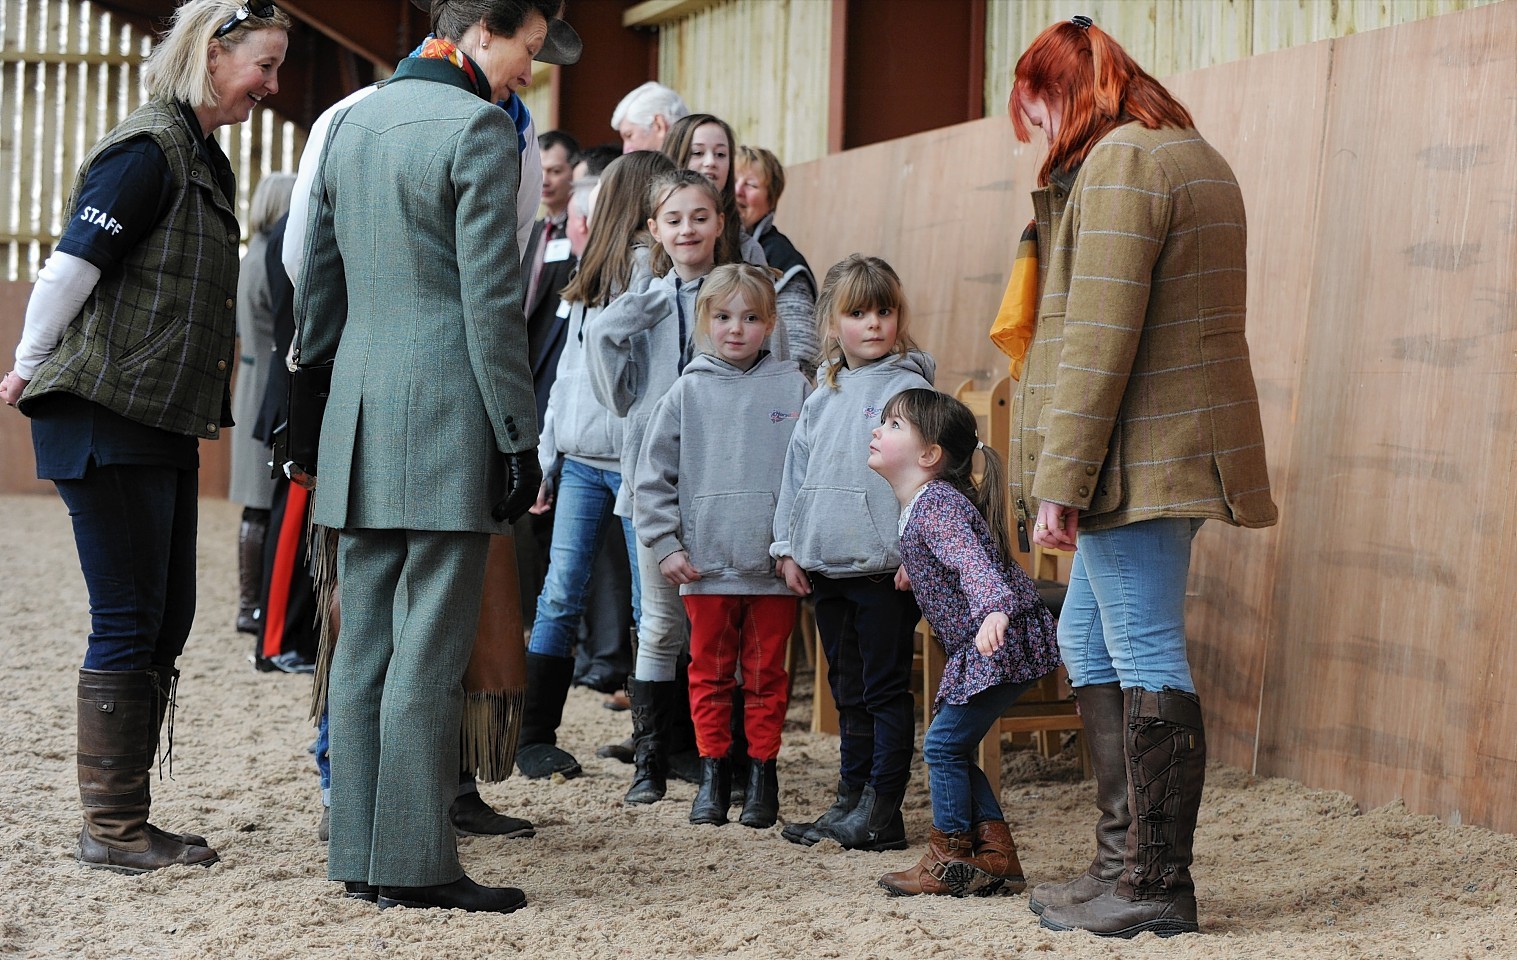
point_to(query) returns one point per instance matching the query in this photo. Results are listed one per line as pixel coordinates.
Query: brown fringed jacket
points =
(1138, 401)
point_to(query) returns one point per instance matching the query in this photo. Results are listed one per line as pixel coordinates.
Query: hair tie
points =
(1083, 22)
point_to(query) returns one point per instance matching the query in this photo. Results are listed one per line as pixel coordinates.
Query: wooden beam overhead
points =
(654, 13)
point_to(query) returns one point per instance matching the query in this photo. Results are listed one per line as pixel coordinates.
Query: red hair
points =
(1095, 83)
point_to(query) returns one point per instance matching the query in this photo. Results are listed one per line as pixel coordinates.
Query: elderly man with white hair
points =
(645, 115)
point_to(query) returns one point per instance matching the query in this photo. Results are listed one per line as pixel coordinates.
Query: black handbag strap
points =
(319, 191)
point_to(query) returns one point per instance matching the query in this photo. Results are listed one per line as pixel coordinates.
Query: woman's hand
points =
(11, 387)
(677, 569)
(544, 498)
(902, 578)
(1056, 526)
(992, 635)
(795, 578)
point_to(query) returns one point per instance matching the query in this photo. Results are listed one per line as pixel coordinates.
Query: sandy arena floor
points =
(1282, 870)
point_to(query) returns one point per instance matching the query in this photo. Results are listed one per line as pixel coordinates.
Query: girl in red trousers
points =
(707, 481)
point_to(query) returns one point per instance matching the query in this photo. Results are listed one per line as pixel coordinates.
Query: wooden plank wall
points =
(1366, 643)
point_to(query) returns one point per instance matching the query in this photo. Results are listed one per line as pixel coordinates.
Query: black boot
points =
(807, 834)
(682, 758)
(1105, 723)
(737, 756)
(117, 738)
(537, 752)
(652, 702)
(875, 824)
(710, 804)
(250, 537)
(1166, 754)
(762, 806)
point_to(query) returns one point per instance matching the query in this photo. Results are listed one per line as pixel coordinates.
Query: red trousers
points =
(726, 631)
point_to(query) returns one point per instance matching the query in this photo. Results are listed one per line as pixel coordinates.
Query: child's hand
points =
(676, 568)
(795, 578)
(992, 635)
(902, 578)
(544, 498)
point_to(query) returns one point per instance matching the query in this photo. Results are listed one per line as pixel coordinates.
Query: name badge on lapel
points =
(557, 251)
(563, 309)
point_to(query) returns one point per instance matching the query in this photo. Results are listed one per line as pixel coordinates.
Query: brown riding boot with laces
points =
(118, 735)
(946, 869)
(995, 854)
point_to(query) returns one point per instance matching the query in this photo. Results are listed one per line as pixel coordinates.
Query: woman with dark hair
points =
(1137, 420)
(124, 363)
(411, 283)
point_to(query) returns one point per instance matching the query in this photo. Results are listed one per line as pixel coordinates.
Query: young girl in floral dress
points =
(998, 636)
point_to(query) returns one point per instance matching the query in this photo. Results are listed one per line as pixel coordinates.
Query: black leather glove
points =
(523, 477)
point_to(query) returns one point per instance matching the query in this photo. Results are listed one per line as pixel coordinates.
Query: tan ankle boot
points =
(995, 854)
(946, 869)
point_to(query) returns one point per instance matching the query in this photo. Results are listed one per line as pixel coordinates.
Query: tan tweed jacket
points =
(1138, 401)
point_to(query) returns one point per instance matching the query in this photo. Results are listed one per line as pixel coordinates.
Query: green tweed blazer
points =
(412, 282)
(1138, 401)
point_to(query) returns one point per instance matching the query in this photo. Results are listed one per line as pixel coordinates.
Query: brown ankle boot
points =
(118, 731)
(1105, 723)
(1166, 744)
(947, 868)
(995, 854)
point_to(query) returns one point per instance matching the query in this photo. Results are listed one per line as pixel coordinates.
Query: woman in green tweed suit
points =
(411, 283)
(1137, 420)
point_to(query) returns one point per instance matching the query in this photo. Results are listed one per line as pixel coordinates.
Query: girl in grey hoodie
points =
(835, 538)
(708, 478)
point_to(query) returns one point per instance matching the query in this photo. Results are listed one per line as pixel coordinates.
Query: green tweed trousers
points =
(410, 610)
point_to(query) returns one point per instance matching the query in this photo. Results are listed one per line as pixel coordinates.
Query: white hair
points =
(650, 100)
(579, 196)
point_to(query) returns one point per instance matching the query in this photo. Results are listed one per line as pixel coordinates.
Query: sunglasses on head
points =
(260, 10)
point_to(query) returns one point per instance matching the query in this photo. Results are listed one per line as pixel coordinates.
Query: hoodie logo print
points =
(873, 413)
(780, 416)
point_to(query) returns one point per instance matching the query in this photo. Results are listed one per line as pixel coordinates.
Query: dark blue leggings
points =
(134, 527)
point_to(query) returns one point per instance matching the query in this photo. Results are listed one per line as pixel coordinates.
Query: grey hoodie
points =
(710, 470)
(577, 424)
(633, 353)
(836, 516)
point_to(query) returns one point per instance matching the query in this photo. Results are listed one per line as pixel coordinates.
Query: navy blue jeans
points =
(961, 793)
(866, 625)
(134, 527)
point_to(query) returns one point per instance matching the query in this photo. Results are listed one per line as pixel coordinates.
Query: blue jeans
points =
(1124, 616)
(134, 527)
(962, 795)
(581, 506)
(324, 759)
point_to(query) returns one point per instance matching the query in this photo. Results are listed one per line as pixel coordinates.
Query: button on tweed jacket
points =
(1138, 401)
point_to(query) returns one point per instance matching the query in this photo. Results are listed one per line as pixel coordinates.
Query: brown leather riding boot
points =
(995, 854)
(946, 869)
(167, 680)
(1166, 748)
(250, 538)
(1105, 725)
(118, 731)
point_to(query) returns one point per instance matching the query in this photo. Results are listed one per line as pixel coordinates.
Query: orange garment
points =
(1018, 316)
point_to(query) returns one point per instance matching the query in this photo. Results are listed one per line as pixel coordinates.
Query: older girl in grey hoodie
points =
(835, 537)
(708, 478)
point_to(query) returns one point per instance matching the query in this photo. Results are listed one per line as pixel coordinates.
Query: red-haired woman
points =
(1137, 421)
